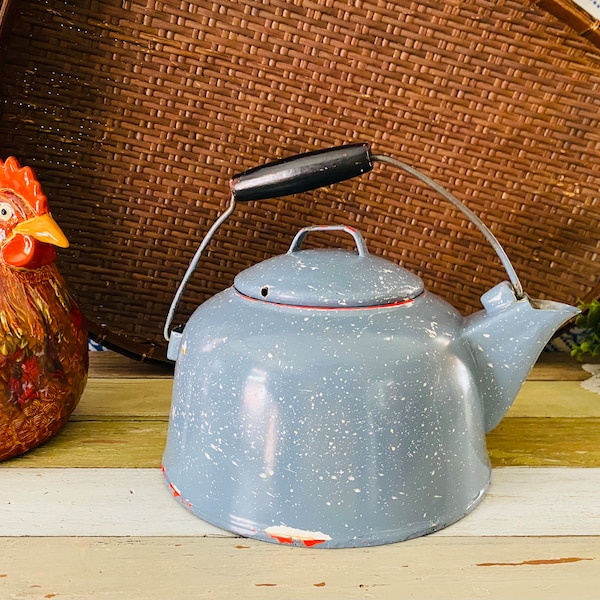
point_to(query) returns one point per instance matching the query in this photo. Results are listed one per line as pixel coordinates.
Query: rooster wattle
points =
(43, 339)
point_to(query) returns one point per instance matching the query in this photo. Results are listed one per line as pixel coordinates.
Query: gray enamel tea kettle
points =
(326, 399)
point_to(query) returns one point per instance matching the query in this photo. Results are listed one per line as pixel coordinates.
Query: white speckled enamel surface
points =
(364, 424)
(304, 278)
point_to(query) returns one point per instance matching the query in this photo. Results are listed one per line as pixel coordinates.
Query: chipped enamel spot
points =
(288, 535)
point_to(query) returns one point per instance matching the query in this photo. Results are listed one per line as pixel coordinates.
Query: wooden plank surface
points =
(122, 422)
(549, 367)
(126, 502)
(82, 568)
(128, 397)
(553, 366)
(125, 397)
(102, 443)
(555, 399)
(560, 442)
(88, 515)
(107, 364)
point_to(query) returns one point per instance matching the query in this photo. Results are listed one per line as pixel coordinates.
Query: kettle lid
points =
(332, 278)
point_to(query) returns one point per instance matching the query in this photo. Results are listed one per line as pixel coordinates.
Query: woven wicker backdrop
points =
(135, 114)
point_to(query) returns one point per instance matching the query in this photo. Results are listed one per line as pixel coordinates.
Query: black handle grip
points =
(302, 173)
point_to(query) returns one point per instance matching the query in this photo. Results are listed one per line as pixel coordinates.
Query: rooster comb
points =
(24, 183)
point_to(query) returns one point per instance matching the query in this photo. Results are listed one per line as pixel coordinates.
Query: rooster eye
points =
(6, 211)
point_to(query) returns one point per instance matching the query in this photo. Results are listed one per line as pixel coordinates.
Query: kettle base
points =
(292, 536)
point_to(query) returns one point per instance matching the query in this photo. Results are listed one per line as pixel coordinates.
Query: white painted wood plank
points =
(90, 502)
(532, 501)
(166, 568)
(134, 502)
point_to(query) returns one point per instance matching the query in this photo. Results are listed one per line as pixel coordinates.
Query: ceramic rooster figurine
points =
(43, 340)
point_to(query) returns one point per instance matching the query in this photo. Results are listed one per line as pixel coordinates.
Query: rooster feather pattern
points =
(43, 339)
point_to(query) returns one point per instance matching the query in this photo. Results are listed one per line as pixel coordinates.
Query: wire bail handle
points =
(312, 170)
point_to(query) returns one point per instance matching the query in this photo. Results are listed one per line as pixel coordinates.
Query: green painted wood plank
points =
(108, 364)
(100, 444)
(516, 442)
(128, 397)
(552, 366)
(125, 397)
(545, 442)
(555, 399)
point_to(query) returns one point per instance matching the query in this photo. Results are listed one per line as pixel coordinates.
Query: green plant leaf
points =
(589, 321)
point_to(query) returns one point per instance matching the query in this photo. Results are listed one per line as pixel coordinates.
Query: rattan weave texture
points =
(135, 114)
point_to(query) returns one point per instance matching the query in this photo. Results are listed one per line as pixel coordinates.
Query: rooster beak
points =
(43, 228)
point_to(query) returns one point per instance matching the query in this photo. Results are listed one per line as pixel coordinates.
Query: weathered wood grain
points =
(135, 397)
(125, 397)
(107, 364)
(555, 399)
(536, 442)
(549, 367)
(553, 366)
(114, 443)
(428, 568)
(87, 515)
(560, 442)
(128, 502)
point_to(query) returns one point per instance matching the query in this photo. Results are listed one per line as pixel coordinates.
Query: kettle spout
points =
(505, 340)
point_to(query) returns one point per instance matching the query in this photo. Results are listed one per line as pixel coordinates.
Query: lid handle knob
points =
(359, 240)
